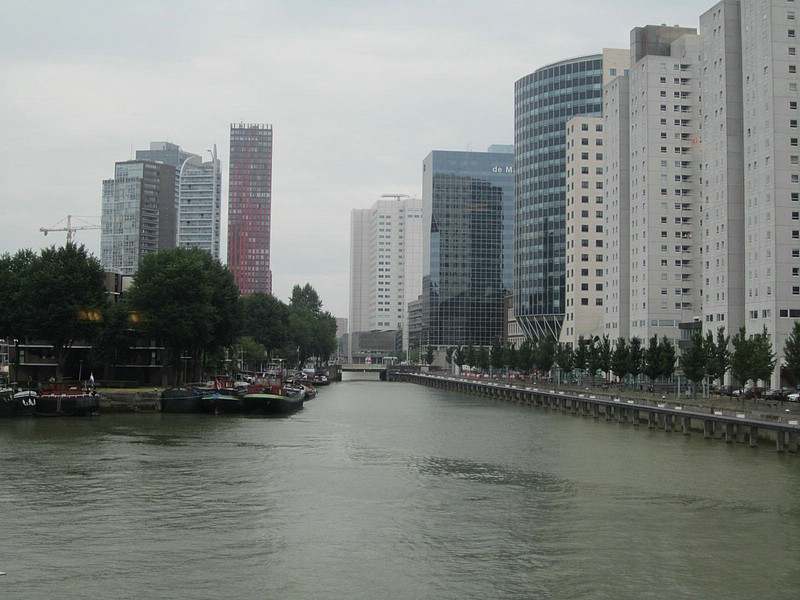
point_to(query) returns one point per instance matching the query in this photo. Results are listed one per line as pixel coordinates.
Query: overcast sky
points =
(358, 93)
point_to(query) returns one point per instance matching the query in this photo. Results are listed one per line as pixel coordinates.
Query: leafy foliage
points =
(694, 359)
(188, 300)
(57, 297)
(791, 352)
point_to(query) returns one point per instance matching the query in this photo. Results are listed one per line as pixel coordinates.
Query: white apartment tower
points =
(722, 168)
(200, 204)
(385, 264)
(616, 208)
(584, 254)
(664, 216)
(751, 168)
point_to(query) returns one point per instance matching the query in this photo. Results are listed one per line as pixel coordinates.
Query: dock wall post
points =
(753, 436)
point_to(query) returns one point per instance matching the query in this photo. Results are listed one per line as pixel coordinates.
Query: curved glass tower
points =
(543, 103)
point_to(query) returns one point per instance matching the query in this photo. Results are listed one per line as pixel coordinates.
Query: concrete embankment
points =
(129, 401)
(731, 426)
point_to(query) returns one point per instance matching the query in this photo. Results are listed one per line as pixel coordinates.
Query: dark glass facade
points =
(543, 103)
(468, 207)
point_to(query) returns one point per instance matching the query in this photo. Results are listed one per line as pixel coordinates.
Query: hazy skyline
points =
(358, 93)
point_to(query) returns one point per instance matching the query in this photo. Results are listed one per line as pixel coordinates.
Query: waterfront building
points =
(385, 264)
(138, 214)
(468, 212)
(584, 238)
(616, 207)
(751, 169)
(664, 219)
(199, 204)
(250, 207)
(543, 103)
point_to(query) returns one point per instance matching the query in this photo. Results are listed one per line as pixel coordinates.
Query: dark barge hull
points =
(272, 404)
(67, 406)
(183, 400)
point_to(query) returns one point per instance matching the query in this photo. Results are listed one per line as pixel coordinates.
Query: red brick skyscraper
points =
(250, 207)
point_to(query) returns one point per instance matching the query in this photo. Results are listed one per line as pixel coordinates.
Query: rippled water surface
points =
(380, 490)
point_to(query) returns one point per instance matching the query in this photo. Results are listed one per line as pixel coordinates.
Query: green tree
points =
(13, 291)
(635, 358)
(565, 358)
(620, 359)
(472, 357)
(429, 355)
(581, 354)
(593, 362)
(266, 319)
(605, 353)
(484, 359)
(520, 358)
(189, 301)
(253, 353)
(652, 360)
(694, 359)
(719, 355)
(545, 355)
(312, 331)
(514, 359)
(764, 359)
(306, 296)
(497, 355)
(666, 359)
(448, 356)
(741, 358)
(65, 297)
(791, 352)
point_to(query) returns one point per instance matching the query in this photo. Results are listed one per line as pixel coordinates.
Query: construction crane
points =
(70, 228)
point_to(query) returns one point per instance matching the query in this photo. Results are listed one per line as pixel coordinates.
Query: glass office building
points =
(138, 214)
(543, 103)
(468, 217)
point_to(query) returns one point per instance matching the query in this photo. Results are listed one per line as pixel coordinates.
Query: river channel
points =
(390, 490)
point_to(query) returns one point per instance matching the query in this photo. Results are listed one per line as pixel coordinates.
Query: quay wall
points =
(730, 426)
(116, 402)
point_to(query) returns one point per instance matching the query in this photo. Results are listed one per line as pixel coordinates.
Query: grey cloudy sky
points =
(358, 94)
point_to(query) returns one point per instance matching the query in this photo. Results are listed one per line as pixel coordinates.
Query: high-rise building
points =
(616, 207)
(198, 195)
(468, 224)
(543, 103)
(751, 169)
(250, 207)
(585, 222)
(385, 264)
(199, 204)
(138, 214)
(664, 219)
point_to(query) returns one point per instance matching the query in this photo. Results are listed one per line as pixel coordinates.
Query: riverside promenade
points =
(766, 426)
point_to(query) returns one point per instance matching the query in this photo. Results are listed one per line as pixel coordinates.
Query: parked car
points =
(775, 395)
(793, 397)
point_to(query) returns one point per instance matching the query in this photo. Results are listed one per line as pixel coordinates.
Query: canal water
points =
(390, 490)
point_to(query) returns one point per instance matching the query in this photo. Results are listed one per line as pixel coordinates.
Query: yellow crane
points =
(70, 228)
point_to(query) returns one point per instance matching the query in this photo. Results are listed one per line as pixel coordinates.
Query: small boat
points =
(320, 379)
(17, 403)
(182, 400)
(266, 403)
